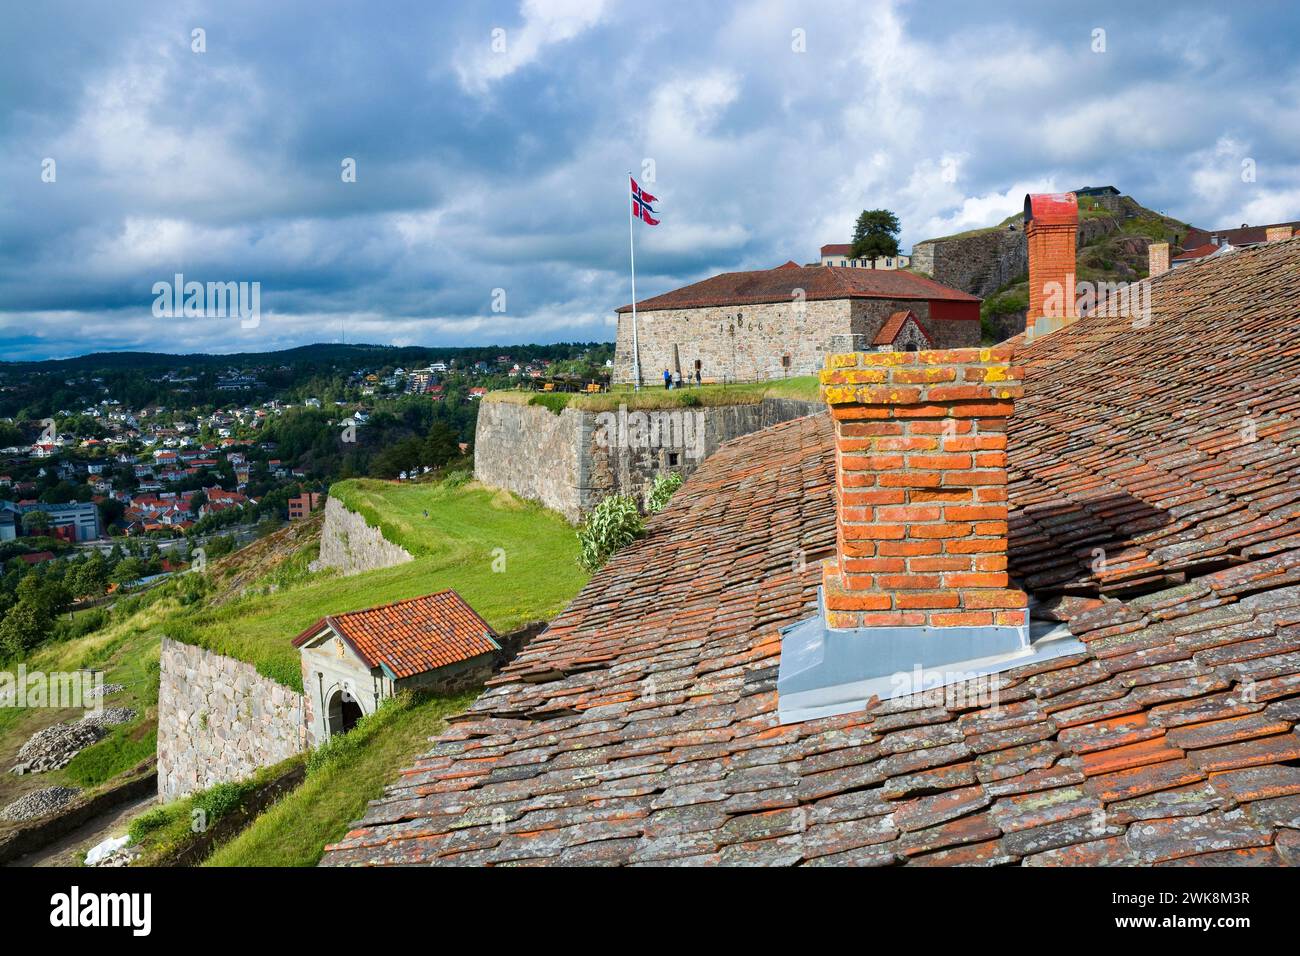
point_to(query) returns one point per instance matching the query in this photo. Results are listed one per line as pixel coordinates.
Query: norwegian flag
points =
(641, 208)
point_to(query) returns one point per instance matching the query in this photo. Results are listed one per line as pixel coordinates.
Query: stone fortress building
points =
(773, 323)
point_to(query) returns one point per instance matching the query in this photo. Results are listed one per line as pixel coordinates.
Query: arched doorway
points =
(344, 712)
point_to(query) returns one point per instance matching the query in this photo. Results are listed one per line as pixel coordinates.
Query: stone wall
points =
(219, 720)
(979, 264)
(351, 545)
(983, 263)
(570, 461)
(530, 451)
(760, 342)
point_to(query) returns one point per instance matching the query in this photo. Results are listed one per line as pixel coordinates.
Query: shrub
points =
(662, 490)
(221, 799)
(460, 476)
(612, 525)
(556, 403)
(149, 821)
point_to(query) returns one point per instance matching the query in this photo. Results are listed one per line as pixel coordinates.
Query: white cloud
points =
(505, 50)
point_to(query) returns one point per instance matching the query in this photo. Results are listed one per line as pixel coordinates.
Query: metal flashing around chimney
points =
(826, 671)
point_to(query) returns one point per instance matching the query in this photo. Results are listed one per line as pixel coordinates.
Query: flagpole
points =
(631, 248)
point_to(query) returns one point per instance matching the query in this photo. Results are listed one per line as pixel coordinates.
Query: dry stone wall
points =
(352, 546)
(219, 720)
(570, 461)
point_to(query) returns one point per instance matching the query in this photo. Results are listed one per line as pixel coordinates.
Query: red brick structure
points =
(1157, 259)
(1052, 231)
(921, 475)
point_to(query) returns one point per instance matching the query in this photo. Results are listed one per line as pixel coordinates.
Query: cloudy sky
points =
(490, 143)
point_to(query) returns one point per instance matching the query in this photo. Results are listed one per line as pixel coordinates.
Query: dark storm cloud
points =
(482, 169)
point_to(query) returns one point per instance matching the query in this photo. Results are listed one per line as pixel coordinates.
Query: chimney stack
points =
(917, 598)
(1052, 232)
(1157, 259)
(921, 475)
(1277, 233)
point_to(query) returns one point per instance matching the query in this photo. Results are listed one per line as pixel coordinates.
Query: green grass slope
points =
(342, 778)
(513, 561)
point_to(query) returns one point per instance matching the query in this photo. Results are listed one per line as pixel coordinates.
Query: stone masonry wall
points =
(219, 720)
(569, 462)
(733, 343)
(983, 263)
(530, 451)
(760, 342)
(979, 264)
(351, 545)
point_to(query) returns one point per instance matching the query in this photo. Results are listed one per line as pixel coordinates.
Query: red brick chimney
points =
(1052, 231)
(921, 469)
(1277, 233)
(1157, 259)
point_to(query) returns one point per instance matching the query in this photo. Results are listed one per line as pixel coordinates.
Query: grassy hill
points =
(458, 533)
(514, 561)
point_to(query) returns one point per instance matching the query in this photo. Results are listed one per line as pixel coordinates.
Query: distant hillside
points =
(318, 354)
(993, 262)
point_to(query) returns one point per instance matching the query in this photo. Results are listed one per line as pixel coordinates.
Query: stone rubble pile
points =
(55, 746)
(39, 803)
(109, 717)
(107, 689)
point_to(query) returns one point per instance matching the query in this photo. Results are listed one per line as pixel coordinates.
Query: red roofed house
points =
(749, 326)
(841, 254)
(352, 661)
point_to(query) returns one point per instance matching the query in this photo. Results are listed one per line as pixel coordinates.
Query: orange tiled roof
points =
(413, 636)
(641, 727)
(894, 324)
(817, 282)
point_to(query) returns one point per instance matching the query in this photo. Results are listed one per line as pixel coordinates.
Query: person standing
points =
(668, 379)
(677, 379)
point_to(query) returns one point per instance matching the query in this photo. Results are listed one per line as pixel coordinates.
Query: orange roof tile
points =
(413, 636)
(894, 324)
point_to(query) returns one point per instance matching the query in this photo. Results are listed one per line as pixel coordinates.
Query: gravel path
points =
(67, 850)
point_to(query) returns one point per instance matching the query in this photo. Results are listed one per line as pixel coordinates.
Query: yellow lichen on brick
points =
(885, 358)
(866, 376)
(838, 394)
(842, 360)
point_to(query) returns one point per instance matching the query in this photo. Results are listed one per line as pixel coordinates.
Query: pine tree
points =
(875, 234)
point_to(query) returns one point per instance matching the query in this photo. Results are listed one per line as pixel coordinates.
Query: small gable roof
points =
(894, 325)
(413, 636)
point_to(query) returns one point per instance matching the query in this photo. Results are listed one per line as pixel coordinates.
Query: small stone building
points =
(773, 323)
(902, 332)
(352, 661)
